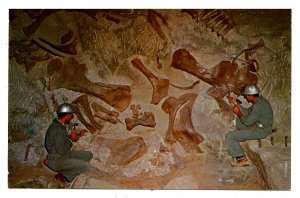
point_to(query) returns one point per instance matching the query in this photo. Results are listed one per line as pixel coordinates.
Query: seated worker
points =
(60, 157)
(253, 123)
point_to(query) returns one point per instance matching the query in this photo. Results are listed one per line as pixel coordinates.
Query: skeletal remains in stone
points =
(58, 49)
(81, 104)
(27, 53)
(70, 74)
(105, 114)
(160, 86)
(152, 19)
(68, 41)
(122, 151)
(226, 77)
(180, 127)
(147, 119)
(216, 20)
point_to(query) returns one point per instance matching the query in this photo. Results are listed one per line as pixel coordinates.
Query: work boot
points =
(60, 180)
(241, 162)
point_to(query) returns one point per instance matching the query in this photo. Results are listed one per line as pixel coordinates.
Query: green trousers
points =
(243, 133)
(77, 163)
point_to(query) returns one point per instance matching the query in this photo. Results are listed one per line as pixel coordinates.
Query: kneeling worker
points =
(253, 123)
(60, 157)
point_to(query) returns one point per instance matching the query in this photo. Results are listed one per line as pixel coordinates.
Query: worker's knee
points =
(89, 155)
(228, 136)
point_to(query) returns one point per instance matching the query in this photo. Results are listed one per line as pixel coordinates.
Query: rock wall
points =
(121, 60)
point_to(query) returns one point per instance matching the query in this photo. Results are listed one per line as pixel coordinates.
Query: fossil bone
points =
(160, 86)
(180, 122)
(152, 19)
(105, 114)
(225, 77)
(82, 103)
(71, 75)
(147, 120)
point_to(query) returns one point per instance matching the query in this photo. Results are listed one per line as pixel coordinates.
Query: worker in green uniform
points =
(60, 158)
(253, 123)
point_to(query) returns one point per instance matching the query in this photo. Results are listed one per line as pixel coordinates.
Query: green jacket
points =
(57, 142)
(260, 113)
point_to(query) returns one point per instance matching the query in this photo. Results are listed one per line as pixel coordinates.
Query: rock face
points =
(123, 152)
(150, 88)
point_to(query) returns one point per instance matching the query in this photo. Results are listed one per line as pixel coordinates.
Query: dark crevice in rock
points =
(257, 161)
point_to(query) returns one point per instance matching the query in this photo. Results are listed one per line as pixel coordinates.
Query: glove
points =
(82, 133)
(232, 100)
(73, 136)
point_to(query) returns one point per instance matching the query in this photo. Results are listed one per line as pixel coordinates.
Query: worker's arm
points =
(236, 109)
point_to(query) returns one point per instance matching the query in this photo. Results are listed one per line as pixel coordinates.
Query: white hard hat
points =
(250, 90)
(65, 108)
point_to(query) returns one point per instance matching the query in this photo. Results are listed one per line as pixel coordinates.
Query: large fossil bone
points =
(225, 77)
(147, 120)
(82, 103)
(180, 122)
(81, 118)
(105, 114)
(152, 19)
(71, 75)
(67, 48)
(160, 86)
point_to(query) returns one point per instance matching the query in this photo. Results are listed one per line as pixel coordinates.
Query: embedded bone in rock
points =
(106, 117)
(205, 13)
(123, 151)
(105, 114)
(255, 46)
(215, 21)
(184, 130)
(147, 120)
(193, 13)
(220, 24)
(82, 103)
(72, 76)
(226, 76)
(224, 31)
(135, 110)
(152, 15)
(97, 107)
(180, 122)
(67, 48)
(160, 86)
(211, 16)
(252, 47)
(80, 117)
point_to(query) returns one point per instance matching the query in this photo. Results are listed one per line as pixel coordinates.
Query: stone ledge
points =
(273, 164)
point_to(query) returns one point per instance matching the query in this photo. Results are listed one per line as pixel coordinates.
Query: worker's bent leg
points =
(83, 155)
(72, 167)
(234, 138)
